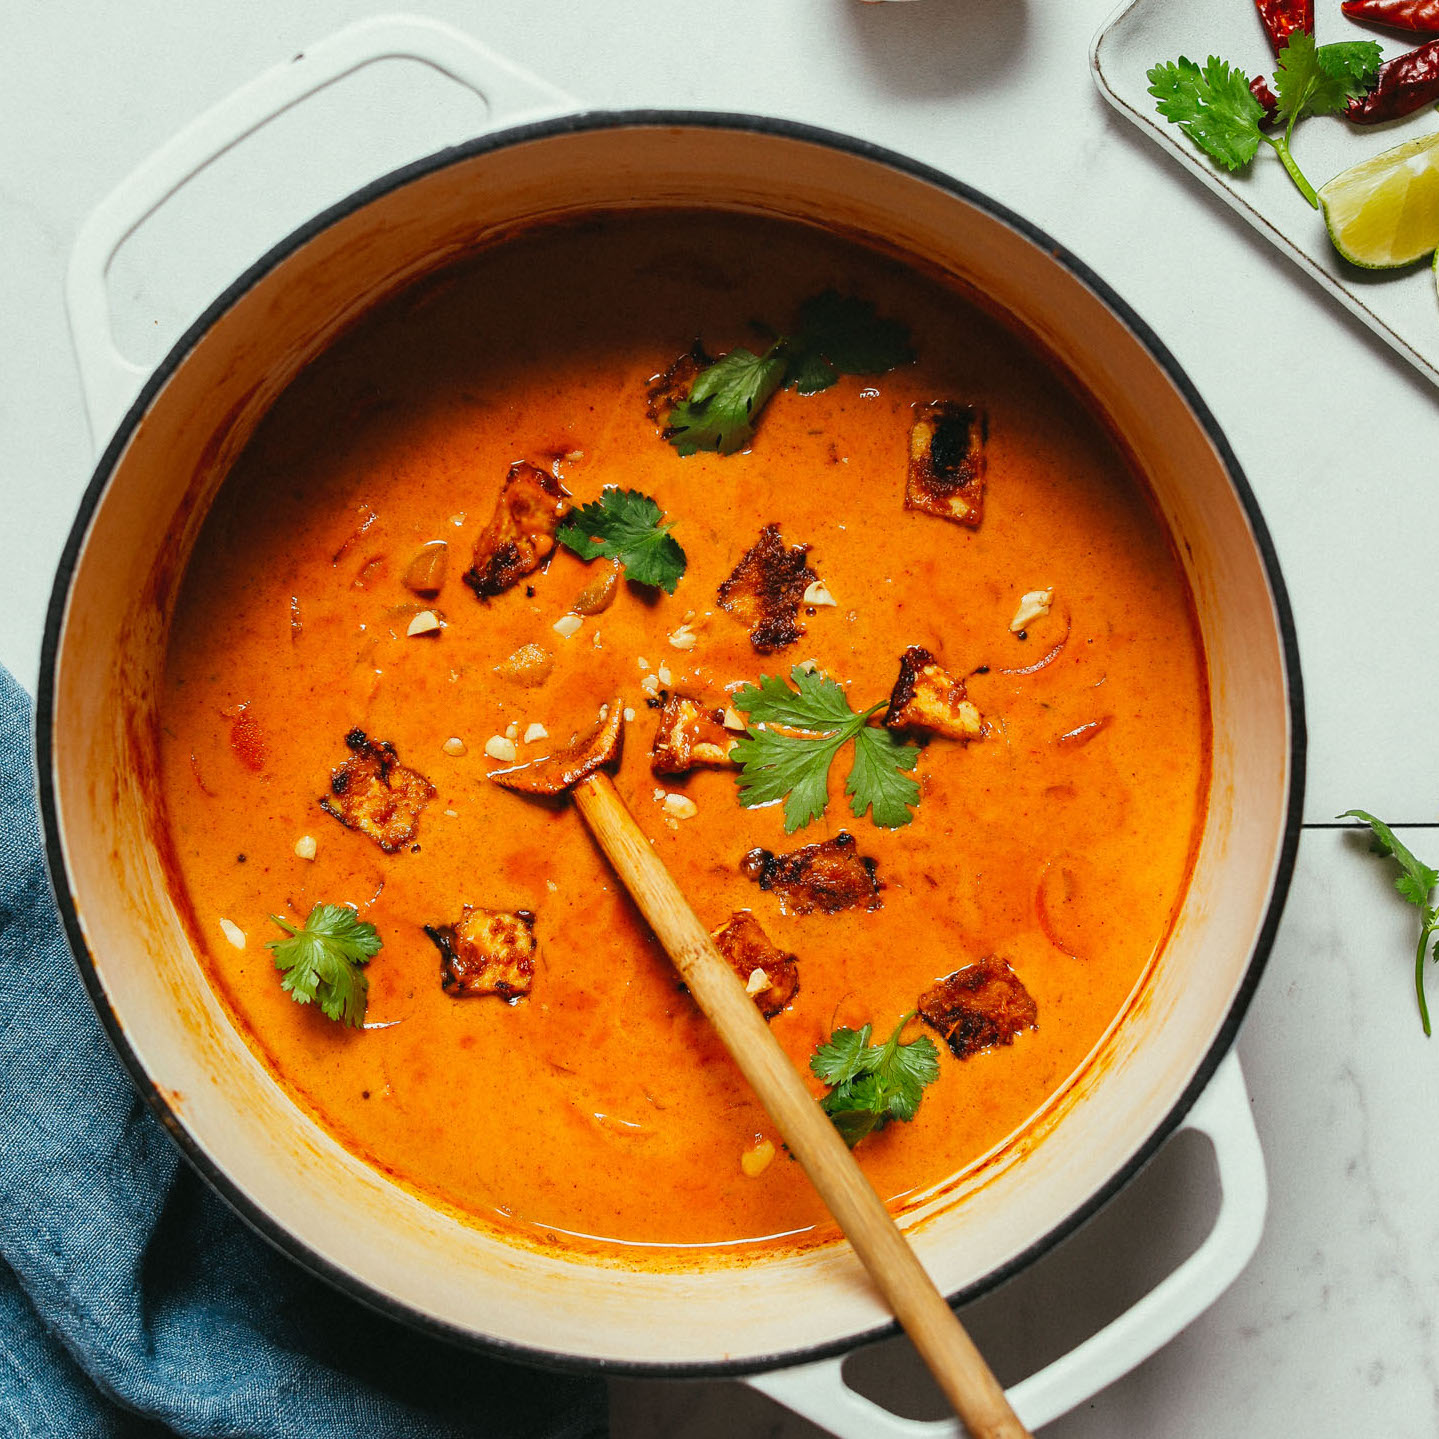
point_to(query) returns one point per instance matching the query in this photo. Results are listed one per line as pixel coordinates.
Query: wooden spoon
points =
(956, 1364)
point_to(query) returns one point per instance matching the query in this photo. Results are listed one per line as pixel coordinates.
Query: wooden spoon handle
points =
(941, 1340)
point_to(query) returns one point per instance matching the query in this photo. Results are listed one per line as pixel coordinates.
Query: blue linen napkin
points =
(133, 1302)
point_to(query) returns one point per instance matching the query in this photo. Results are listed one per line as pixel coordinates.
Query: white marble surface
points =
(1331, 1330)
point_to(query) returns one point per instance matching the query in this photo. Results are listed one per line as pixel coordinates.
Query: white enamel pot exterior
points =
(97, 748)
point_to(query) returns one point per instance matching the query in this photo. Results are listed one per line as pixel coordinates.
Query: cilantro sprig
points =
(323, 963)
(625, 525)
(815, 722)
(873, 1083)
(1213, 105)
(1416, 882)
(834, 335)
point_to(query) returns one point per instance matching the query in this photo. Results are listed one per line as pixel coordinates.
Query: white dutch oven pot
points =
(175, 434)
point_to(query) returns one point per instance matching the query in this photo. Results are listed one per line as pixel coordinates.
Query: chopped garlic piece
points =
(233, 933)
(1031, 607)
(659, 796)
(455, 747)
(552, 886)
(808, 666)
(534, 732)
(567, 625)
(680, 806)
(512, 730)
(629, 715)
(683, 638)
(818, 594)
(757, 982)
(664, 674)
(650, 684)
(305, 846)
(755, 1161)
(427, 622)
(453, 813)
(642, 662)
(500, 748)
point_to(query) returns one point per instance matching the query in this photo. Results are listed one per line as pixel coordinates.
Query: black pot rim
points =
(577, 123)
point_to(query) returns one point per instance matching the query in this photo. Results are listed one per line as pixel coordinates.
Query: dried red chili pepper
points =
(1406, 83)
(1420, 16)
(1259, 88)
(1283, 17)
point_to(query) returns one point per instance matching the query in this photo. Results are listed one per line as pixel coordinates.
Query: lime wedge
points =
(1385, 211)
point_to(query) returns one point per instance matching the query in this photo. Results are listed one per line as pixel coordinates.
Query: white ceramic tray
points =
(1400, 306)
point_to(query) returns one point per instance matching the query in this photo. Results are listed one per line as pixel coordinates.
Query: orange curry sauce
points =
(600, 1109)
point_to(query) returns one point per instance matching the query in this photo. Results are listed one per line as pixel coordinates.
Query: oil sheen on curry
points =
(903, 665)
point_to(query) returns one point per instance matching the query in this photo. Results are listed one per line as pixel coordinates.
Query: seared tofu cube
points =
(829, 876)
(947, 461)
(766, 590)
(979, 1007)
(927, 697)
(372, 792)
(770, 975)
(688, 735)
(489, 951)
(520, 536)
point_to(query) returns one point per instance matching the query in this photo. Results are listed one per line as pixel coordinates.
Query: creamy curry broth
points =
(600, 1106)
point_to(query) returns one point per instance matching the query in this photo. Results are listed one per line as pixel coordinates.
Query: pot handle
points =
(818, 1391)
(109, 380)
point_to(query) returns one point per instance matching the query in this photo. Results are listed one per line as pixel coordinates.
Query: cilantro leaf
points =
(873, 1084)
(842, 335)
(879, 782)
(720, 410)
(1416, 882)
(1212, 106)
(816, 702)
(842, 1056)
(773, 765)
(816, 722)
(835, 335)
(1322, 79)
(624, 525)
(324, 962)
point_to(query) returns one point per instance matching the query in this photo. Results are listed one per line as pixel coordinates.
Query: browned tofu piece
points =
(766, 590)
(947, 461)
(520, 536)
(927, 697)
(666, 391)
(375, 794)
(768, 973)
(489, 951)
(829, 876)
(689, 735)
(978, 1007)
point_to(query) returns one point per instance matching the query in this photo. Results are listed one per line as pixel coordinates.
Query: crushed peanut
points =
(642, 662)
(629, 715)
(427, 622)
(534, 732)
(680, 806)
(552, 886)
(455, 747)
(665, 677)
(755, 1161)
(650, 684)
(567, 625)
(733, 720)
(512, 730)
(683, 638)
(233, 933)
(1031, 607)
(305, 846)
(818, 594)
(500, 748)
